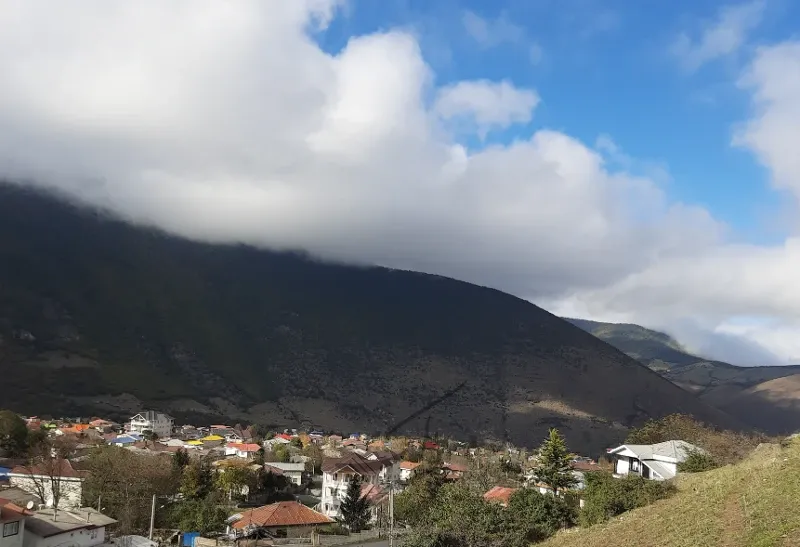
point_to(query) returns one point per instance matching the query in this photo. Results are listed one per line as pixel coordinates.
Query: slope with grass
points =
(752, 503)
(97, 315)
(755, 395)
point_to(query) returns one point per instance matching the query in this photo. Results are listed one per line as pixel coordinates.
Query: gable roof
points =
(374, 494)
(284, 513)
(671, 450)
(10, 511)
(409, 465)
(243, 447)
(357, 463)
(500, 494)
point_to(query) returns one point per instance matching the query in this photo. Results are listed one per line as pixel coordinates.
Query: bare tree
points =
(48, 465)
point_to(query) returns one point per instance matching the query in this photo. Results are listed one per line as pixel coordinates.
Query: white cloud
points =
(492, 32)
(486, 105)
(229, 123)
(724, 36)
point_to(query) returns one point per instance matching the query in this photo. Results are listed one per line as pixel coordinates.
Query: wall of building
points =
(15, 540)
(71, 489)
(78, 538)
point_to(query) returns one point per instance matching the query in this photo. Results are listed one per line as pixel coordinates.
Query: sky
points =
(606, 159)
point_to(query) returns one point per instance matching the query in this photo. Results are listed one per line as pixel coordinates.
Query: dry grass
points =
(753, 503)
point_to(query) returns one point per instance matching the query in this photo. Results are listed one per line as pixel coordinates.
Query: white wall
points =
(622, 466)
(15, 540)
(78, 538)
(70, 488)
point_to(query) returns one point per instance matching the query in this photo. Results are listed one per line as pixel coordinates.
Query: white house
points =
(390, 462)
(12, 524)
(270, 444)
(408, 470)
(84, 527)
(292, 471)
(240, 450)
(59, 476)
(157, 422)
(337, 474)
(651, 461)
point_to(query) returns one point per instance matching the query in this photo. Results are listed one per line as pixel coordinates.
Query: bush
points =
(606, 497)
(532, 517)
(334, 529)
(697, 462)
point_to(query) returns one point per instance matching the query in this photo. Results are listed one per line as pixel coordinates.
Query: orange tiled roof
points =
(409, 465)
(10, 511)
(244, 447)
(499, 494)
(284, 513)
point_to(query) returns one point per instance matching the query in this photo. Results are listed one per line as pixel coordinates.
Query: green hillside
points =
(752, 503)
(98, 315)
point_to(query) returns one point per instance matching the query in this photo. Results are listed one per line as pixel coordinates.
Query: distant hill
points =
(751, 503)
(98, 316)
(764, 397)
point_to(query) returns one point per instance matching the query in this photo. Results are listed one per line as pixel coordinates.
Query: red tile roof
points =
(499, 494)
(284, 436)
(375, 494)
(285, 513)
(409, 465)
(10, 511)
(584, 466)
(458, 467)
(244, 447)
(274, 470)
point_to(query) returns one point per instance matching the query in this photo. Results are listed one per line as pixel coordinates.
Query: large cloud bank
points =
(225, 121)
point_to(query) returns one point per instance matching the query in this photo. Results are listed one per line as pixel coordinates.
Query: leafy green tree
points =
(198, 480)
(13, 435)
(149, 436)
(355, 507)
(279, 454)
(235, 481)
(296, 442)
(201, 515)
(411, 505)
(532, 517)
(315, 456)
(180, 460)
(553, 466)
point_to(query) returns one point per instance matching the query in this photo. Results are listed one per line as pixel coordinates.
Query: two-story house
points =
(157, 422)
(337, 473)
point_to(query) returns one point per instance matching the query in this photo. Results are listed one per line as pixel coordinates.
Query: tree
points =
(180, 460)
(13, 435)
(124, 483)
(235, 481)
(149, 436)
(606, 497)
(278, 454)
(355, 507)
(315, 456)
(412, 504)
(296, 442)
(553, 467)
(198, 480)
(532, 517)
(201, 515)
(46, 468)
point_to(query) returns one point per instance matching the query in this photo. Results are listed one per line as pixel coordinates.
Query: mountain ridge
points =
(99, 314)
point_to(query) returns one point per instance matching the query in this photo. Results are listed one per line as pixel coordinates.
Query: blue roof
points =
(4, 471)
(123, 439)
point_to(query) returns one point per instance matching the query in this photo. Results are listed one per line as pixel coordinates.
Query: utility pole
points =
(152, 517)
(391, 513)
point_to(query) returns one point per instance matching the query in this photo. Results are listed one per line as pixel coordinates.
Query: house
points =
(390, 462)
(123, 440)
(408, 470)
(241, 450)
(44, 479)
(500, 494)
(651, 461)
(292, 471)
(283, 519)
(157, 422)
(274, 442)
(454, 471)
(12, 524)
(378, 498)
(81, 527)
(337, 474)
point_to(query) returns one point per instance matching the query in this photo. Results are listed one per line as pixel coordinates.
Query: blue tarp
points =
(4, 471)
(189, 537)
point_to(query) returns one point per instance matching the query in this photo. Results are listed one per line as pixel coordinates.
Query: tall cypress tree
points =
(355, 507)
(553, 467)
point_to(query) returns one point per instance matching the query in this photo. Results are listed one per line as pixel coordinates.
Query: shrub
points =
(334, 529)
(606, 497)
(697, 462)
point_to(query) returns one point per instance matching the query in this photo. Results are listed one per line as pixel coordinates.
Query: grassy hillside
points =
(753, 503)
(756, 395)
(98, 315)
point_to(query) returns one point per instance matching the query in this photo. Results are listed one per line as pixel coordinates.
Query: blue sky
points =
(606, 67)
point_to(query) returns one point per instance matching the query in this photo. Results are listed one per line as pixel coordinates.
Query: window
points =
(10, 529)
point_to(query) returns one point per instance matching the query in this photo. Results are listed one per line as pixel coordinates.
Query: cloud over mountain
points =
(228, 122)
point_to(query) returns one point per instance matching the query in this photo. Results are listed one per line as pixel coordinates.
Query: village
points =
(71, 483)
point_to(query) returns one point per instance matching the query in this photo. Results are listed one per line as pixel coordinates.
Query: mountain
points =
(97, 315)
(767, 398)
